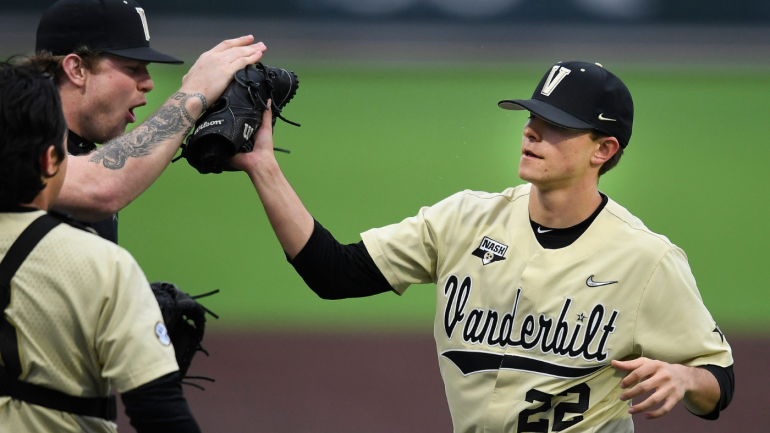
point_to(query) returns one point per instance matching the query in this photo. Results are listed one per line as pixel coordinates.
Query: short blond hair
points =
(45, 61)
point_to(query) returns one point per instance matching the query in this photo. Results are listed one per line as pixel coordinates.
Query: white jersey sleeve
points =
(673, 324)
(131, 338)
(411, 251)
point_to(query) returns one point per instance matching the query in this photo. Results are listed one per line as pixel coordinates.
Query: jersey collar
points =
(524, 238)
(77, 145)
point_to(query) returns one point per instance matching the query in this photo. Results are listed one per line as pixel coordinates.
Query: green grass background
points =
(379, 142)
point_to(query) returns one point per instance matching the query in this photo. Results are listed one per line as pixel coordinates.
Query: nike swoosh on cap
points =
(601, 117)
(591, 283)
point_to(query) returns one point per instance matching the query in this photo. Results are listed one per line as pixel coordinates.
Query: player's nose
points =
(531, 133)
(146, 84)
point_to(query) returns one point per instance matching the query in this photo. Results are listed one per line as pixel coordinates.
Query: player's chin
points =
(122, 125)
(116, 132)
(121, 129)
(529, 173)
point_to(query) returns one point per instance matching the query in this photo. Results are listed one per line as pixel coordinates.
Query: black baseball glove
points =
(185, 321)
(228, 126)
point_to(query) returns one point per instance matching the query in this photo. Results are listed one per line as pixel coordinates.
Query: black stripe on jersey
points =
(474, 361)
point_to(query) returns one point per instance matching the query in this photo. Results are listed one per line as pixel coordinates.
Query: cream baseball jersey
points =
(86, 321)
(525, 335)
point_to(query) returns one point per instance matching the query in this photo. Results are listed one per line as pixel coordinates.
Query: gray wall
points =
(500, 11)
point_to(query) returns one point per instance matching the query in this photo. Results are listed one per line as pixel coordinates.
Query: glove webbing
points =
(200, 347)
(253, 90)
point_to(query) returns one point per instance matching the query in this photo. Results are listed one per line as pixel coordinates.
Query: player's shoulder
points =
(469, 202)
(67, 254)
(632, 229)
(511, 194)
(82, 243)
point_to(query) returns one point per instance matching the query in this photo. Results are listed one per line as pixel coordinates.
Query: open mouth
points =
(131, 114)
(529, 154)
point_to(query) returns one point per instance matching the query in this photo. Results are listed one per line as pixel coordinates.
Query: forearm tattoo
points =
(179, 96)
(168, 121)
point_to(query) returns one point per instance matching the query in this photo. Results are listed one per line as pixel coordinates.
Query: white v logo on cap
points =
(551, 82)
(144, 23)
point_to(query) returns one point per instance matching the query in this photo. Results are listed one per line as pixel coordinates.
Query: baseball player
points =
(77, 313)
(98, 51)
(555, 305)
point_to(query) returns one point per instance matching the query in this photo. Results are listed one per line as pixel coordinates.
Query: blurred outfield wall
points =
(626, 11)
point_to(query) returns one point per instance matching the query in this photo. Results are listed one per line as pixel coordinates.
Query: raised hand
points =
(214, 69)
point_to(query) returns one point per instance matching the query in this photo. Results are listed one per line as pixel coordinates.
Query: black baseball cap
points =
(117, 27)
(580, 95)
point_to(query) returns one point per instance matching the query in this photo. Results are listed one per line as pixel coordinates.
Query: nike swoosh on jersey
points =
(591, 283)
(475, 361)
(543, 231)
(601, 117)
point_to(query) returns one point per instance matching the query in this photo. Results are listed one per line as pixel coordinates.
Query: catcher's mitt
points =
(228, 126)
(185, 321)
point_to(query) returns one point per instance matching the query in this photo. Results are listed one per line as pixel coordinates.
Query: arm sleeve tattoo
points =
(168, 121)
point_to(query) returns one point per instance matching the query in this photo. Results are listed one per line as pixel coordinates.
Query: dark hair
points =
(612, 162)
(31, 120)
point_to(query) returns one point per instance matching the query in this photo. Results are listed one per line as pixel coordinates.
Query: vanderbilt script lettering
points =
(550, 335)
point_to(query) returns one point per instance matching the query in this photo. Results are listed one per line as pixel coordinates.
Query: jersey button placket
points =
(516, 383)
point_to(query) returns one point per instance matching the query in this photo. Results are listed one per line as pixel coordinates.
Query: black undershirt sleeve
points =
(726, 379)
(336, 271)
(160, 407)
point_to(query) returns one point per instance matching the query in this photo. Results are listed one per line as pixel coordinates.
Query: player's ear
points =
(50, 162)
(605, 149)
(75, 70)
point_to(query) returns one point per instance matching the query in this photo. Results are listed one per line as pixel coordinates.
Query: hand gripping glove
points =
(228, 126)
(185, 321)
